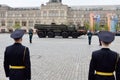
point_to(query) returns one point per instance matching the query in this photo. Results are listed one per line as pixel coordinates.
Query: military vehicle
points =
(52, 30)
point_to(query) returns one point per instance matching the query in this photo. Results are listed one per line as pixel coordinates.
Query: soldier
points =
(99, 38)
(104, 62)
(30, 35)
(17, 63)
(89, 34)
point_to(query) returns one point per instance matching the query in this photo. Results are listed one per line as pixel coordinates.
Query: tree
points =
(17, 26)
(87, 25)
(117, 27)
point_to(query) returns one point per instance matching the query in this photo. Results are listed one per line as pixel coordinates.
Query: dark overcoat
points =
(89, 34)
(104, 60)
(30, 35)
(14, 56)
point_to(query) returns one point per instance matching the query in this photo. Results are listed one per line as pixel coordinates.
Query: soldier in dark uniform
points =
(30, 35)
(104, 62)
(99, 39)
(17, 63)
(89, 34)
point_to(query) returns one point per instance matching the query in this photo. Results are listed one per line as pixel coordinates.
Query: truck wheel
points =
(74, 35)
(64, 34)
(50, 35)
(41, 35)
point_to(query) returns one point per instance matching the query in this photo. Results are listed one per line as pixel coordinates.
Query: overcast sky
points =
(37, 3)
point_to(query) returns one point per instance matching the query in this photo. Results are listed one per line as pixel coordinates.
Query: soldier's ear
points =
(102, 42)
(21, 39)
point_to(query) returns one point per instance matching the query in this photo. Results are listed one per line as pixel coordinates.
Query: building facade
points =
(55, 12)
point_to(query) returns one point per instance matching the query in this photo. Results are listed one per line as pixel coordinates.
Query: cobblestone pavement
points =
(57, 58)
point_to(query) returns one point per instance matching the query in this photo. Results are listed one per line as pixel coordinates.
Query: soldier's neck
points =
(19, 41)
(105, 46)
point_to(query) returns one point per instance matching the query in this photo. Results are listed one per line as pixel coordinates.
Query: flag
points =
(98, 18)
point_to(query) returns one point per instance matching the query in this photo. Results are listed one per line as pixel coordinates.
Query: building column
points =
(6, 23)
(21, 23)
(82, 20)
(0, 23)
(34, 23)
(13, 22)
(27, 23)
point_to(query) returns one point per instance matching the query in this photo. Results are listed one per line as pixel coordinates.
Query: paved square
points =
(57, 58)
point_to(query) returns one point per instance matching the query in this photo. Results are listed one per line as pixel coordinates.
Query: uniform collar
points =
(17, 43)
(105, 49)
